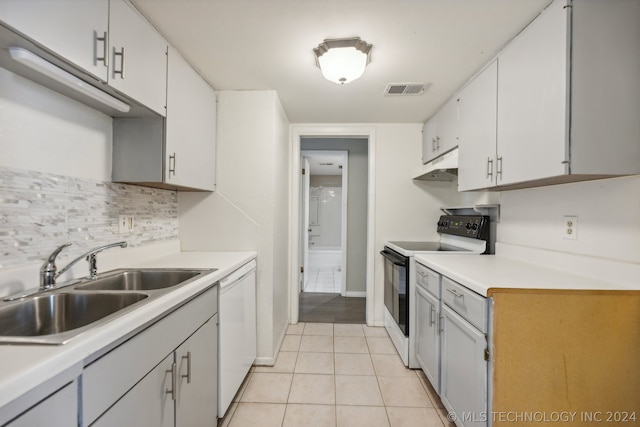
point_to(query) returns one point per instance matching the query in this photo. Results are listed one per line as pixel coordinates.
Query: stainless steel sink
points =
(141, 279)
(57, 313)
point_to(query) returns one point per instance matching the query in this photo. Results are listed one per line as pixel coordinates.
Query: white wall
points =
(404, 209)
(608, 213)
(249, 210)
(44, 131)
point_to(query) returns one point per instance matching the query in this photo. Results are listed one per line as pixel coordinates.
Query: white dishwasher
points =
(236, 333)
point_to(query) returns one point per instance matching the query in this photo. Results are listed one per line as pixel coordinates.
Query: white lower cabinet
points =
(145, 405)
(428, 336)
(60, 410)
(451, 345)
(464, 370)
(164, 376)
(197, 378)
(162, 395)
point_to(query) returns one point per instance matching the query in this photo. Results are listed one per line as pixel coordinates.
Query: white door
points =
(190, 127)
(197, 397)
(428, 335)
(477, 111)
(74, 29)
(138, 57)
(304, 233)
(532, 100)
(463, 387)
(148, 404)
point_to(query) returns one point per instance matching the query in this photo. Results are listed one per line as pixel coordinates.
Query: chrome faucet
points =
(49, 272)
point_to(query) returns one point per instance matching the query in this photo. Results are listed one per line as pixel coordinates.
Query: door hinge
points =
(486, 354)
(301, 269)
(303, 171)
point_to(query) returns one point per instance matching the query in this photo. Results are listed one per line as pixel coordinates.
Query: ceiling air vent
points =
(402, 89)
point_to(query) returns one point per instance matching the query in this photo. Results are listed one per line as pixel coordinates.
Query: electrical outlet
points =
(570, 227)
(125, 224)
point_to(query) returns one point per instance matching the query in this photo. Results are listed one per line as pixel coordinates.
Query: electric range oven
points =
(459, 234)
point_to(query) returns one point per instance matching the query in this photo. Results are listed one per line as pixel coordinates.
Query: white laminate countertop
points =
(482, 273)
(25, 367)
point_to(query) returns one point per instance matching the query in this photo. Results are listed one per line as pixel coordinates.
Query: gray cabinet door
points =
(197, 360)
(148, 404)
(428, 336)
(464, 370)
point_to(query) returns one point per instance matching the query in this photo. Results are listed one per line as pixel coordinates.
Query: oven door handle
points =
(394, 259)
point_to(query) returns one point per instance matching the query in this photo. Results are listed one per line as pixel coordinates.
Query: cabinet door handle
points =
(499, 168)
(174, 380)
(122, 61)
(489, 167)
(432, 318)
(441, 324)
(433, 144)
(105, 47)
(188, 376)
(437, 142)
(172, 164)
(454, 292)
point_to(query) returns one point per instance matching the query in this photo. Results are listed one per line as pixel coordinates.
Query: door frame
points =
(329, 131)
(344, 187)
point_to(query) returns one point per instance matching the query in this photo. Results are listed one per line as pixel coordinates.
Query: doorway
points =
(324, 221)
(357, 267)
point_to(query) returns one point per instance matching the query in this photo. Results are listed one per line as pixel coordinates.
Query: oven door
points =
(396, 286)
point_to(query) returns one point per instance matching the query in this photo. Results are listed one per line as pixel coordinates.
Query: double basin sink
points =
(58, 315)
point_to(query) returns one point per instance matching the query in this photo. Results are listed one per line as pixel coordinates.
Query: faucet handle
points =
(54, 254)
(48, 269)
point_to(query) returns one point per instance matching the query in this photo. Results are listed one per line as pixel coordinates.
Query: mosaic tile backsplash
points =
(39, 211)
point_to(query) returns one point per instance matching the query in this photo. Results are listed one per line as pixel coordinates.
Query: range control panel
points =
(472, 226)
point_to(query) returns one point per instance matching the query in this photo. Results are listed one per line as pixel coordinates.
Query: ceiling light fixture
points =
(46, 68)
(342, 60)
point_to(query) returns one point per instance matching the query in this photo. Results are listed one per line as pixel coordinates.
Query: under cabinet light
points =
(56, 73)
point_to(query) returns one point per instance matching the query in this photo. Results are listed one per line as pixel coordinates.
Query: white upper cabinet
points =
(568, 101)
(179, 151)
(440, 133)
(138, 57)
(190, 127)
(73, 29)
(107, 40)
(477, 108)
(532, 100)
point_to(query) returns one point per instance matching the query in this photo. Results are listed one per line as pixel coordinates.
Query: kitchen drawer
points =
(428, 280)
(468, 304)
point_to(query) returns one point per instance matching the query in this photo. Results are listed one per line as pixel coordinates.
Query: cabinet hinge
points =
(301, 269)
(303, 171)
(486, 354)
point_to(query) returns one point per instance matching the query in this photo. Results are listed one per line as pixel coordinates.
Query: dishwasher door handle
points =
(239, 274)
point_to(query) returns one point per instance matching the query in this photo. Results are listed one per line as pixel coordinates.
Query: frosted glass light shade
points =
(342, 60)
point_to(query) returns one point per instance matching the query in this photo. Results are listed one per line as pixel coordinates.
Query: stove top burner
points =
(429, 247)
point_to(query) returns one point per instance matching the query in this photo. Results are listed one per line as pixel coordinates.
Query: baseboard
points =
(355, 294)
(270, 361)
(264, 361)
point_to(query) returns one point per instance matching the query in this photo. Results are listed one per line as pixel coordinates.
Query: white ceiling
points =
(324, 163)
(267, 44)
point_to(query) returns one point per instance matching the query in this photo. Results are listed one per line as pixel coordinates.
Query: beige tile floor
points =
(336, 375)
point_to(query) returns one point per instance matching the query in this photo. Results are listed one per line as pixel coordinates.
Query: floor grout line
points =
(289, 411)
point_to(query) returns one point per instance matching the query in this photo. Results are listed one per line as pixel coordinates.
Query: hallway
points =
(331, 308)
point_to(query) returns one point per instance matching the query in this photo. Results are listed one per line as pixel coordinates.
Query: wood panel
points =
(571, 354)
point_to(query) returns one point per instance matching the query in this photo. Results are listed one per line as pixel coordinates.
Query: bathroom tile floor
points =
(336, 375)
(326, 279)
